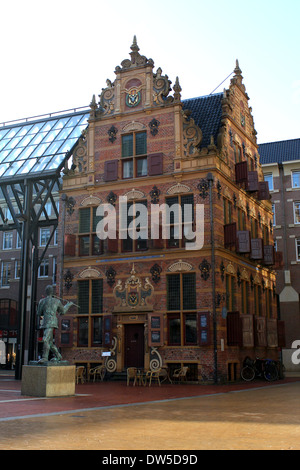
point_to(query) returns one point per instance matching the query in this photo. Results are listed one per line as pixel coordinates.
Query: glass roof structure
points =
(39, 146)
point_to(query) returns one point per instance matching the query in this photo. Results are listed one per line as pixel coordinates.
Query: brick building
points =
(281, 167)
(153, 301)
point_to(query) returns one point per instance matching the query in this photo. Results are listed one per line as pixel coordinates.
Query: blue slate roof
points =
(278, 152)
(206, 112)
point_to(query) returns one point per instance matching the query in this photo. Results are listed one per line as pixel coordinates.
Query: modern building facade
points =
(193, 289)
(281, 167)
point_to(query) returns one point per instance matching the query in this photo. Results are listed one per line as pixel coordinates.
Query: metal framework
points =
(32, 156)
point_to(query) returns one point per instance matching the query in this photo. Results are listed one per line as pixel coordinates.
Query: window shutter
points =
(64, 334)
(248, 337)
(111, 170)
(263, 190)
(260, 331)
(272, 335)
(204, 329)
(155, 329)
(70, 245)
(241, 172)
(234, 329)
(112, 244)
(252, 181)
(269, 255)
(257, 248)
(155, 164)
(243, 241)
(107, 331)
(281, 333)
(230, 235)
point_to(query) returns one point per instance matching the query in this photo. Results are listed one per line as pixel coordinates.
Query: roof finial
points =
(237, 69)
(134, 46)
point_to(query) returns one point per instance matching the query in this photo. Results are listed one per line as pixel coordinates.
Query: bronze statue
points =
(48, 309)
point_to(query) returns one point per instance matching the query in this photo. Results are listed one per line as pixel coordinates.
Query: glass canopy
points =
(39, 146)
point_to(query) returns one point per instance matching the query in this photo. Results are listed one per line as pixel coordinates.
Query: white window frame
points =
(18, 241)
(43, 230)
(296, 222)
(44, 267)
(7, 236)
(266, 178)
(297, 245)
(17, 267)
(292, 177)
(7, 275)
(274, 214)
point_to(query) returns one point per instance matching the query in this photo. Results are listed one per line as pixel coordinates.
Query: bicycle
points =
(261, 368)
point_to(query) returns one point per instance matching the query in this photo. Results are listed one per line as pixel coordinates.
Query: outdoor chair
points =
(98, 371)
(131, 374)
(80, 374)
(180, 374)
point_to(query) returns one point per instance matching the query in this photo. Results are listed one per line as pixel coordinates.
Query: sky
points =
(55, 55)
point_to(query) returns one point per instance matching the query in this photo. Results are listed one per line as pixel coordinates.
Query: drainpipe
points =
(210, 180)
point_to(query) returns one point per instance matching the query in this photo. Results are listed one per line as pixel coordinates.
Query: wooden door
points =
(134, 346)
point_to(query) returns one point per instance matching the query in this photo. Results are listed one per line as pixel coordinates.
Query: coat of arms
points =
(133, 97)
(133, 295)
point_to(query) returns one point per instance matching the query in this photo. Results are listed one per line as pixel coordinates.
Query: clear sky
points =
(55, 55)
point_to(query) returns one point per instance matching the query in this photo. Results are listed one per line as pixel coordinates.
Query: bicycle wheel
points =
(271, 372)
(248, 373)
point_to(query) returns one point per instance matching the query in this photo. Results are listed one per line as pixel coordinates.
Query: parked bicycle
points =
(259, 368)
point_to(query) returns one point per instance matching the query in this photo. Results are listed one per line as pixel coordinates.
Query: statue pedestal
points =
(48, 380)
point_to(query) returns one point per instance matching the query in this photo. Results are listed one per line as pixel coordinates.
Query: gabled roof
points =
(279, 152)
(39, 145)
(206, 112)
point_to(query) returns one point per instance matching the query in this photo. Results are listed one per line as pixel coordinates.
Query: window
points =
(7, 240)
(89, 243)
(90, 319)
(230, 293)
(44, 268)
(181, 210)
(134, 155)
(44, 236)
(134, 235)
(296, 179)
(181, 305)
(245, 297)
(274, 214)
(254, 228)
(241, 219)
(5, 273)
(297, 212)
(19, 241)
(17, 269)
(298, 249)
(269, 178)
(227, 209)
(54, 271)
(257, 300)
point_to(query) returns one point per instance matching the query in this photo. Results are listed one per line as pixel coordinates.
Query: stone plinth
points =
(48, 381)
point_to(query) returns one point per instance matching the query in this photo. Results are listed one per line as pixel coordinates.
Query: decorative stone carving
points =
(91, 201)
(110, 362)
(107, 97)
(133, 295)
(180, 266)
(230, 269)
(154, 126)
(161, 88)
(134, 194)
(192, 136)
(179, 188)
(80, 157)
(136, 59)
(89, 273)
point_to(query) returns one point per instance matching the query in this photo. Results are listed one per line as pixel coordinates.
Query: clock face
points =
(133, 98)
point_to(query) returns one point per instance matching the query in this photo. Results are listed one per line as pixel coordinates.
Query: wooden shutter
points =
(113, 244)
(204, 328)
(70, 245)
(241, 172)
(234, 329)
(111, 170)
(272, 335)
(64, 334)
(248, 336)
(155, 330)
(260, 331)
(230, 235)
(107, 331)
(281, 333)
(155, 164)
(257, 248)
(252, 181)
(263, 190)
(269, 255)
(243, 241)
